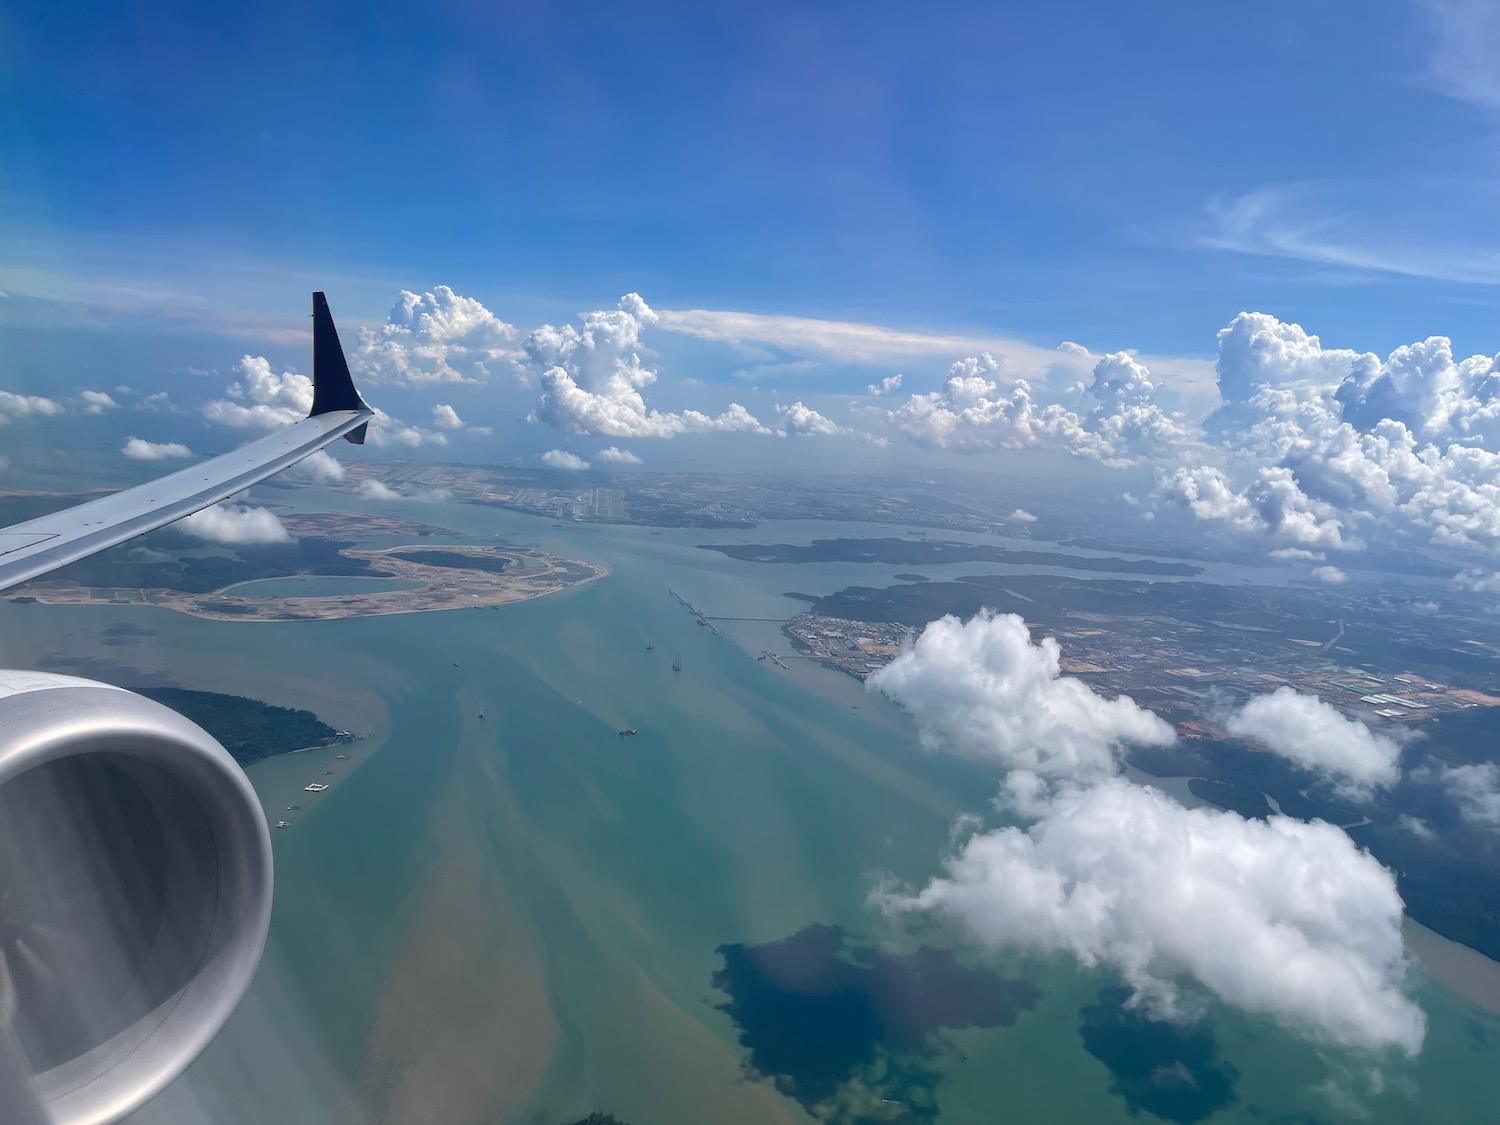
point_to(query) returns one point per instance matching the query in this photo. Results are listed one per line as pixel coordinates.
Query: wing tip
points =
(333, 386)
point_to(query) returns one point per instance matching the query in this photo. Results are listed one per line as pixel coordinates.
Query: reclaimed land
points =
(496, 576)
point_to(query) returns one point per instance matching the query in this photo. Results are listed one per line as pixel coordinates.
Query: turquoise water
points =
(518, 918)
(318, 586)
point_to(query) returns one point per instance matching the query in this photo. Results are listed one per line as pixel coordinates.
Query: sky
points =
(790, 205)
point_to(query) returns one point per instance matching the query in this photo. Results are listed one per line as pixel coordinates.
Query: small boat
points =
(650, 646)
(677, 666)
(628, 730)
(283, 824)
(481, 714)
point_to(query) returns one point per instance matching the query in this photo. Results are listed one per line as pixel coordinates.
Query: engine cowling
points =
(135, 895)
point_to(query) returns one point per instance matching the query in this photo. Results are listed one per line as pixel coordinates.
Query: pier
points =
(702, 620)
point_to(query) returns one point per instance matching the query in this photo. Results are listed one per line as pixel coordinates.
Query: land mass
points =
(1410, 662)
(248, 728)
(934, 552)
(465, 578)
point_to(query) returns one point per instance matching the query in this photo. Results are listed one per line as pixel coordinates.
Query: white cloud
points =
(800, 419)
(1417, 827)
(614, 455)
(1284, 918)
(444, 417)
(372, 489)
(562, 459)
(592, 377)
(1330, 574)
(1317, 736)
(138, 449)
(971, 414)
(26, 406)
(1478, 580)
(1021, 515)
(1466, 38)
(262, 401)
(321, 467)
(889, 385)
(1278, 917)
(983, 689)
(853, 342)
(436, 337)
(1299, 554)
(1475, 789)
(97, 402)
(236, 525)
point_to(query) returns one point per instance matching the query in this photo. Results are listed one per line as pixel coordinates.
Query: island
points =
(248, 728)
(453, 577)
(936, 551)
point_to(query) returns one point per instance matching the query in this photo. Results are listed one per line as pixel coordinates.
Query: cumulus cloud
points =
(1287, 919)
(236, 524)
(983, 689)
(139, 449)
(1298, 554)
(1319, 737)
(562, 459)
(1475, 789)
(97, 402)
(1480, 581)
(800, 419)
(262, 400)
(1021, 515)
(592, 376)
(614, 455)
(971, 414)
(372, 489)
(889, 385)
(1330, 574)
(26, 406)
(436, 337)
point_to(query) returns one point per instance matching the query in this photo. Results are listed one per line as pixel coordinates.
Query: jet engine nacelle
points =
(135, 896)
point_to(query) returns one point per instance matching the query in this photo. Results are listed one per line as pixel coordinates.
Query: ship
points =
(650, 645)
(628, 730)
(677, 666)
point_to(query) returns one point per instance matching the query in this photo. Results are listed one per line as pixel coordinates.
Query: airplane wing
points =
(33, 548)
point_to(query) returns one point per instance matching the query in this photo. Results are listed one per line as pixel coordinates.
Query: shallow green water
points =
(752, 804)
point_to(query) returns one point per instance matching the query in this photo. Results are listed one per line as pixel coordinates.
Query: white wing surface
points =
(31, 549)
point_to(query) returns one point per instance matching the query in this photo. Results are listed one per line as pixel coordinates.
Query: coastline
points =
(536, 575)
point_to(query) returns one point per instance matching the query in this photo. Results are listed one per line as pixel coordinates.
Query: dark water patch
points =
(123, 633)
(1482, 1036)
(1169, 1070)
(849, 1031)
(912, 578)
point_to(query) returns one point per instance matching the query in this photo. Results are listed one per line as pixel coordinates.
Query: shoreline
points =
(536, 575)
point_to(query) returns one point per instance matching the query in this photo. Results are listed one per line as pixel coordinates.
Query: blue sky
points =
(174, 179)
(1051, 170)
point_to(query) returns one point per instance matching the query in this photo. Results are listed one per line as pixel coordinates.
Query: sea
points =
(503, 910)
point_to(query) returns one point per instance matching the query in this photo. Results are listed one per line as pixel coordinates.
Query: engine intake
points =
(135, 896)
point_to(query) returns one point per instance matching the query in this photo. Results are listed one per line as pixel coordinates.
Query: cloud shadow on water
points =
(849, 1031)
(1172, 1071)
